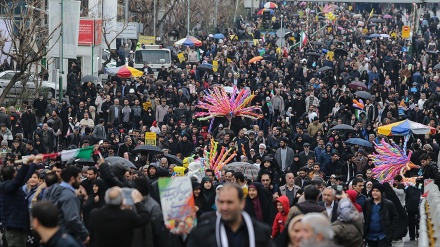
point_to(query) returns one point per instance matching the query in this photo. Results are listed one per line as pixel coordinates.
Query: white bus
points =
(153, 55)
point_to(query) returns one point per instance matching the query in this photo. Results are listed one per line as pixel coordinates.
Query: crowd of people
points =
(312, 188)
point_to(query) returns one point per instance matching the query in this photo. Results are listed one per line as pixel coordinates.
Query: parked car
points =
(6, 76)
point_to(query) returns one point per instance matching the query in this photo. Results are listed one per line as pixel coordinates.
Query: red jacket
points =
(280, 219)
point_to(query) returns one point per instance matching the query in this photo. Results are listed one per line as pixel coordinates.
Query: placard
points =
(150, 138)
(406, 32)
(181, 57)
(178, 207)
(215, 65)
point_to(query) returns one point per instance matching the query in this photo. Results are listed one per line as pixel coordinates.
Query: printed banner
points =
(178, 206)
(86, 32)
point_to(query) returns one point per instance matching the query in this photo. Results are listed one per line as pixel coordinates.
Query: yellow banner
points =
(181, 57)
(147, 40)
(406, 32)
(215, 65)
(150, 138)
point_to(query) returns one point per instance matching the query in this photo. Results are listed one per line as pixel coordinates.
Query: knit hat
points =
(4, 143)
(379, 187)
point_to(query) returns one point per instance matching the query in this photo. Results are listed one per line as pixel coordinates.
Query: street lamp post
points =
(61, 72)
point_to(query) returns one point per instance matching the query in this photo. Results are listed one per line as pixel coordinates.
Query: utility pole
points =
(282, 31)
(61, 70)
(189, 4)
(154, 20)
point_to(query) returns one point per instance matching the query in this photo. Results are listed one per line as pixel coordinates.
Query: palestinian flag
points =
(79, 153)
(303, 40)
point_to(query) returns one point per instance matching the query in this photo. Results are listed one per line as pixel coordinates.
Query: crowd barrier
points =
(429, 227)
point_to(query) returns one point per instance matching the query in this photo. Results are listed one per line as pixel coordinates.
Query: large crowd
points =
(312, 188)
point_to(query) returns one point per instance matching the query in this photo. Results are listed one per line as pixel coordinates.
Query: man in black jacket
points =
(112, 226)
(232, 226)
(380, 218)
(429, 170)
(30, 120)
(45, 223)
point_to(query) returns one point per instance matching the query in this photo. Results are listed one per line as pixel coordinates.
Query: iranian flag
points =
(303, 40)
(79, 153)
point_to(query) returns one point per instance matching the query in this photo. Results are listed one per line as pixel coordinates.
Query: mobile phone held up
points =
(339, 190)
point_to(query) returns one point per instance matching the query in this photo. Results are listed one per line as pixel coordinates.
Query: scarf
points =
(257, 208)
(220, 231)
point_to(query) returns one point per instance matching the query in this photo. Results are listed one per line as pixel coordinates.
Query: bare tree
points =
(202, 14)
(29, 34)
(109, 33)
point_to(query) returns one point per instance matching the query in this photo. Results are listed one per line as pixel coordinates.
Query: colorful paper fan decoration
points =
(219, 104)
(216, 161)
(391, 160)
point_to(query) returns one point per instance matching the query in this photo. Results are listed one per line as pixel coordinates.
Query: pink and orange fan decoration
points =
(391, 160)
(217, 103)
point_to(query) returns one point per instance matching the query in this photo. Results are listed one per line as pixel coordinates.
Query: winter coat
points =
(289, 158)
(114, 176)
(61, 239)
(70, 209)
(388, 217)
(112, 226)
(280, 220)
(305, 208)
(144, 236)
(348, 227)
(14, 211)
(267, 207)
(205, 234)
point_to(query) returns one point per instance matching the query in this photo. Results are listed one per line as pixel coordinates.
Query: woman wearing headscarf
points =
(290, 237)
(96, 199)
(199, 199)
(352, 194)
(259, 204)
(208, 192)
(348, 227)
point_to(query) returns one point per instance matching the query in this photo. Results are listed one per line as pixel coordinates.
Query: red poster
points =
(98, 31)
(86, 32)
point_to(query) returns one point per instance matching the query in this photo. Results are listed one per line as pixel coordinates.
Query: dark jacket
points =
(267, 207)
(61, 239)
(204, 234)
(334, 210)
(70, 210)
(30, 122)
(431, 171)
(115, 176)
(113, 226)
(13, 204)
(305, 207)
(388, 217)
(145, 235)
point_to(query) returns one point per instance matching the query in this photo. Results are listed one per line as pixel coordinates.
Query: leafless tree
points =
(29, 35)
(202, 14)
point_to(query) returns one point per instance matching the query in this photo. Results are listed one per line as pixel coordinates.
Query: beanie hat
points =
(379, 187)
(4, 143)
